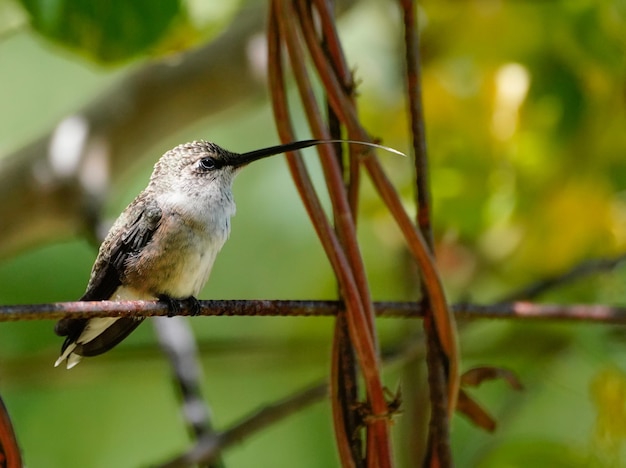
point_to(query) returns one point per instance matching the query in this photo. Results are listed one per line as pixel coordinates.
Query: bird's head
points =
(198, 164)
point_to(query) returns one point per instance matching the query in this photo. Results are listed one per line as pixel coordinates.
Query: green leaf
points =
(107, 32)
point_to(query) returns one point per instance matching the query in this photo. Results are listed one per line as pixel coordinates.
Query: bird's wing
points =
(111, 262)
(125, 241)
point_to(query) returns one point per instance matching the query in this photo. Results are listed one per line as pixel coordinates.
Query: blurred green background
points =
(526, 124)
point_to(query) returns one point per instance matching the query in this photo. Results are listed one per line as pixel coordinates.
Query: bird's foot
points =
(174, 305)
(193, 304)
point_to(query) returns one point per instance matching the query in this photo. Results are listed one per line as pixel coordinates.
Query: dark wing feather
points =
(109, 269)
(107, 276)
(108, 339)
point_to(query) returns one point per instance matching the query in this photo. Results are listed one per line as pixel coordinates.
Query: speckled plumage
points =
(163, 244)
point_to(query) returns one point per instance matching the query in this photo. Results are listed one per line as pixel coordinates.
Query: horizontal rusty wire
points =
(287, 308)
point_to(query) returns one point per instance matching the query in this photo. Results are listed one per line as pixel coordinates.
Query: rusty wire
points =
(520, 310)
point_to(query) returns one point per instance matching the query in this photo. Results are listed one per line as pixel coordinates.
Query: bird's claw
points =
(174, 305)
(193, 304)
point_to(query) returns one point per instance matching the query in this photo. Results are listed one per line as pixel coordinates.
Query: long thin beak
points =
(246, 158)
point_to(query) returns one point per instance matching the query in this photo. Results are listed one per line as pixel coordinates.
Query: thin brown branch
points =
(577, 272)
(417, 121)
(593, 313)
(209, 447)
(437, 360)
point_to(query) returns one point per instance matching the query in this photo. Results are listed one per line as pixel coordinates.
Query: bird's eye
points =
(207, 164)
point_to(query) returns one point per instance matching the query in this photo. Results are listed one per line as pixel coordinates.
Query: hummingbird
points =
(165, 242)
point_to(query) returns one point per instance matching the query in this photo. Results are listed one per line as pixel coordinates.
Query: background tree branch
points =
(45, 201)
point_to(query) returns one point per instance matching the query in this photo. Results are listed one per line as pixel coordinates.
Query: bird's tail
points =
(90, 337)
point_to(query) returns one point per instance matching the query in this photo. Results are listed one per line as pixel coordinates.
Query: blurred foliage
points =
(116, 31)
(111, 31)
(524, 103)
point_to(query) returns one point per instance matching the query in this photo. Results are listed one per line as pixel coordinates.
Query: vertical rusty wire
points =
(416, 243)
(438, 443)
(346, 262)
(344, 381)
(344, 384)
(444, 321)
(341, 247)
